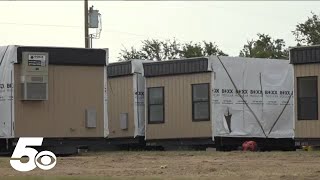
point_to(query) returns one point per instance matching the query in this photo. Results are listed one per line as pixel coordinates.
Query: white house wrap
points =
(251, 97)
(8, 56)
(138, 90)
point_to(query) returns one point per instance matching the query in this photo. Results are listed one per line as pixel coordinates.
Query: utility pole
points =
(86, 29)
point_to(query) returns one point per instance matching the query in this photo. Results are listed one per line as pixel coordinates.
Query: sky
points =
(124, 24)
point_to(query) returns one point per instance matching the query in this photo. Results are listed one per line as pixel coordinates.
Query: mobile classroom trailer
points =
(306, 63)
(220, 100)
(126, 102)
(52, 92)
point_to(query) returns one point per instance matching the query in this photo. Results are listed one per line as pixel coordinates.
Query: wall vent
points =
(34, 75)
(35, 91)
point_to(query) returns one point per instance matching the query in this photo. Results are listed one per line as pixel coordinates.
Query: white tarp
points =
(105, 105)
(266, 86)
(138, 88)
(138, 99)
(8, 56)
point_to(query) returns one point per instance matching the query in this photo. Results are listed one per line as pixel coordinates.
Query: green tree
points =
(155, 50)
(131, 54)
(265, 47)
(158, 50)
(308, 32)
(197, 50)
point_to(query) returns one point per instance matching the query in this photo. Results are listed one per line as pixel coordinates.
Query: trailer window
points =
(155, 105)
(307, 98)
(200, 102)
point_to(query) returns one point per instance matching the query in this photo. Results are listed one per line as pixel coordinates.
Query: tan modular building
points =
(52, 92)
(306, 63)
(178, 100)
(221, 100)
(125, 100)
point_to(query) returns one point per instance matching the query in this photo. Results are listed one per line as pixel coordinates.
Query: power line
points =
(68, 26)
(49, 25)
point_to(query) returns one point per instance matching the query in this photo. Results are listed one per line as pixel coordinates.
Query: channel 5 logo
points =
(47, 158)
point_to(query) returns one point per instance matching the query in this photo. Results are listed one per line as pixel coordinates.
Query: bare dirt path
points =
(183, 165)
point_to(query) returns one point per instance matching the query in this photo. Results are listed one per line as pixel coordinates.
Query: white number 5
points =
(22, 150)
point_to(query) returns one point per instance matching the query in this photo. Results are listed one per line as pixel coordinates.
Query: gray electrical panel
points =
(34, 75)
(93, 18)
(123, 121)
(91, 118)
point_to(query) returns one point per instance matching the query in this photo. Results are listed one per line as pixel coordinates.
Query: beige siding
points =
(307, 128)
(178, 108)
(120, 100)
(72, 89)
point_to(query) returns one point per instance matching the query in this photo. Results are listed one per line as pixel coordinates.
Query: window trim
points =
(298, 99)
(193, 102)
(163, 103)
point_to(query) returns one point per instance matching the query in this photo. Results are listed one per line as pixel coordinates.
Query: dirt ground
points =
(178, 165)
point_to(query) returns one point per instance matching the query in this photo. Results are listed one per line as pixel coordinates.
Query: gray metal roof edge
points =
(304, 53)
(176, 67)
(119, 63)
(249, 58)
(128, 61)
(304, 47)
(59, 47)
(71, 56)
(132, 63)
(176, 60)
(54, 47)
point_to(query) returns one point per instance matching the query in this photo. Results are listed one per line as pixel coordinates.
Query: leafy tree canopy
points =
(158, 50)
(265, 47)
(308, 32)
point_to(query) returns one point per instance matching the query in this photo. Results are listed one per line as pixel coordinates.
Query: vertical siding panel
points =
(187, 113)
(179, 118)
(188, 116)
(125, 100)
(311, 124)
(56, 101)
(169, 103)
(308, 128)
(304, 124)
(120, 94)
(318, 123)
(180, 92)
(70, 93)
(167, 108)
(192, 80)
(184, 93)
(52, 93)
(178, 108)
(304, 72)
(130, 95)
(305, 129)
(301, 125)
(173, 113)
(147, 81)
(297, 124)
(317, 126)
